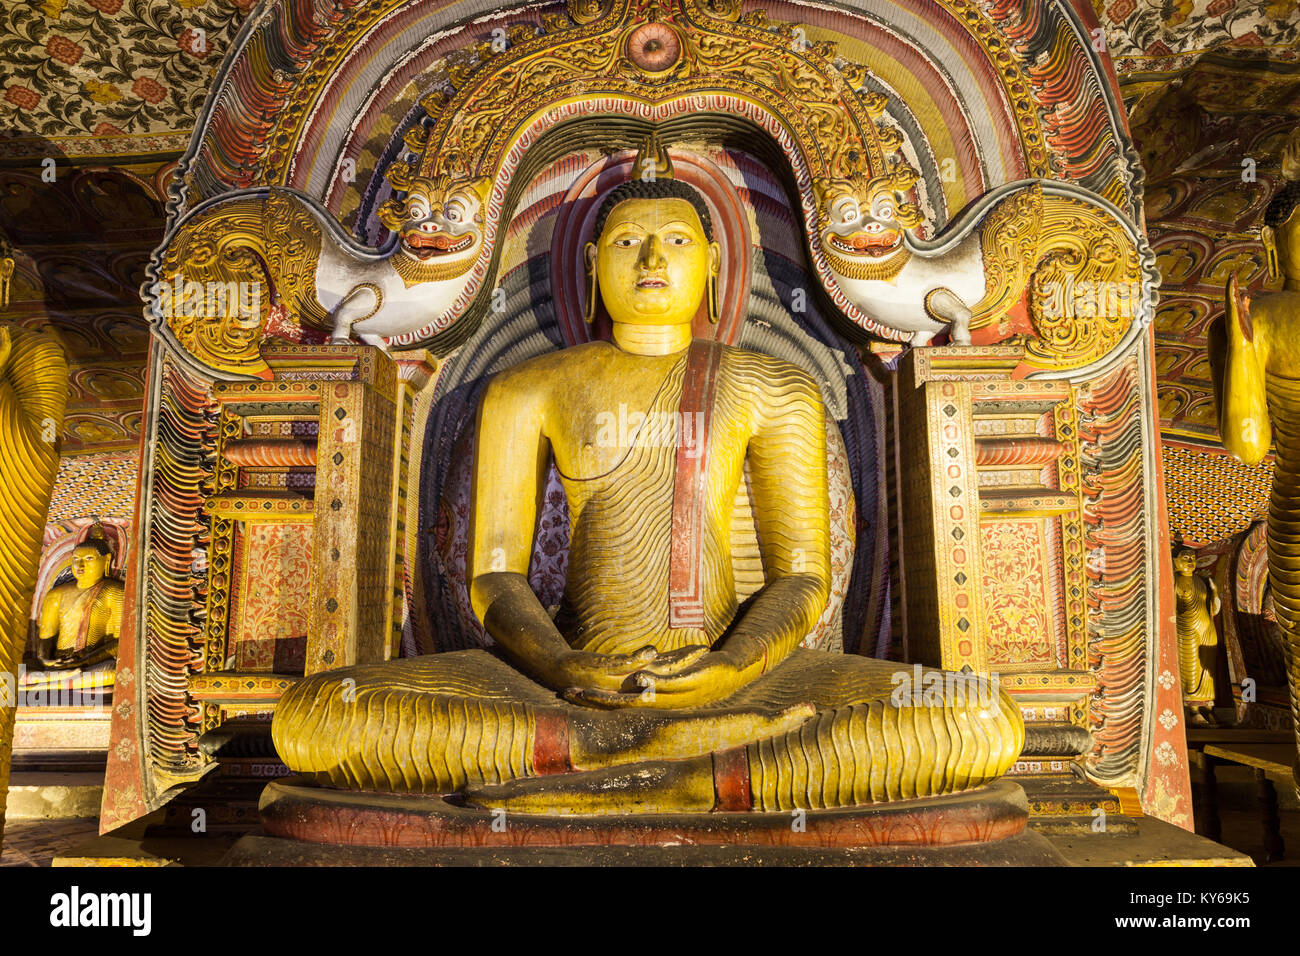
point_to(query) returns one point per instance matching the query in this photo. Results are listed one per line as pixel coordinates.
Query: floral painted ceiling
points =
(109, 76)
(128, 76)
(1212, 89)
(1165, 34)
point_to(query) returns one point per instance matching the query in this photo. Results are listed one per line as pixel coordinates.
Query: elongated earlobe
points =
(714, 268)
(590, 256)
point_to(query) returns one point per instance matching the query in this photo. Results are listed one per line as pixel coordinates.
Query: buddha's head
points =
(90, 562)
(1185, 561)
(1281, 233)
(652, 257)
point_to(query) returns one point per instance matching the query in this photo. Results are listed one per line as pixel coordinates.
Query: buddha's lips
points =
(652, 282)
(425, 244)
(871, 244)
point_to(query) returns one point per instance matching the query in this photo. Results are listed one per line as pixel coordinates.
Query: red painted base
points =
(299, 810)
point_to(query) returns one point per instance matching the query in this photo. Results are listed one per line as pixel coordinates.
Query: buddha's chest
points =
(595, 444)
(634, 465)
(617, 408)
(80, 609)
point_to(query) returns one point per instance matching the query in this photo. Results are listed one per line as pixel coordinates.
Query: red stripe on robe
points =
(690, 487)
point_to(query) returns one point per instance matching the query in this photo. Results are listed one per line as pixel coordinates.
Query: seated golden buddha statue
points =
(80, 620)
(652, 689)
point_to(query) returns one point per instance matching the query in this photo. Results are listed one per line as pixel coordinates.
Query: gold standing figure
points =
(651, 690)
(1255, 350)
(33, 393)
(1196, 601)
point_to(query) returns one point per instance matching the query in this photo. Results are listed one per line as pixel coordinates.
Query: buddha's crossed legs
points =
(818, 731)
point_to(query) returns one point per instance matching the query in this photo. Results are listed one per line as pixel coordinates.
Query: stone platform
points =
(1025, 849)
(304, 824)
(35, 795)
(1151, 842)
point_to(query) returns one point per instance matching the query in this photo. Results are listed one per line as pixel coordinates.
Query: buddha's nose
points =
(652, 253)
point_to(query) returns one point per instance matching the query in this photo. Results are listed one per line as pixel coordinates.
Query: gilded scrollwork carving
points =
(1087, 287)
(687, 48)
(495, 95)
(589, 11)
(1066, 261)
(266, 262)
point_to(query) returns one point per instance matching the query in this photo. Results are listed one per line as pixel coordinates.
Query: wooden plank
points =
(1234, 735)
(1271, 758)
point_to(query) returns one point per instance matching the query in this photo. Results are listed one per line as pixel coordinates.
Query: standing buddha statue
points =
(1255, 354)
(1196, 602)
(652, 689)
(33, 394)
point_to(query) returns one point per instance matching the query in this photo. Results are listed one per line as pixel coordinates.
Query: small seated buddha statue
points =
(651, 689)
(80, 620)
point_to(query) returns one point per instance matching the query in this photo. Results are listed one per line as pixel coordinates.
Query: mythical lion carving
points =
(254, 262)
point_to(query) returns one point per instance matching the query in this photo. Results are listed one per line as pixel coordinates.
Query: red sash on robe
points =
(690, 487)
(88, 597)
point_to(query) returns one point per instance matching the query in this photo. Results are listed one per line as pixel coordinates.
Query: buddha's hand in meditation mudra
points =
(624, 680)
(652, 689)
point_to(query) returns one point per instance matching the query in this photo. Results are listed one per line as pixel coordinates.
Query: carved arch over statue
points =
(1002, 109)
(848, 132)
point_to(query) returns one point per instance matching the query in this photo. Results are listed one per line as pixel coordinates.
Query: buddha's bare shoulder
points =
(542, 374)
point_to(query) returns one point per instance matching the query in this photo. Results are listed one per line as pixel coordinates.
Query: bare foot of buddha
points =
(658, 786)
(619, 765)
(626, 737)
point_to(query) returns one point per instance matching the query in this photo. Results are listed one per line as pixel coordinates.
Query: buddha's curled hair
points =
(653, 189)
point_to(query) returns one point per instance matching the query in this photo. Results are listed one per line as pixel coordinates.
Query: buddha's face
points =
(653, 261)
(89, 566)
(1185, 562)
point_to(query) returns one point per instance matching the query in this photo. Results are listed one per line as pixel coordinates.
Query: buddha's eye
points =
(678, 239)
(626, 242)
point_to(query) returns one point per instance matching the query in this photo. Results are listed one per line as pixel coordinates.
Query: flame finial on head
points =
(652, 160)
